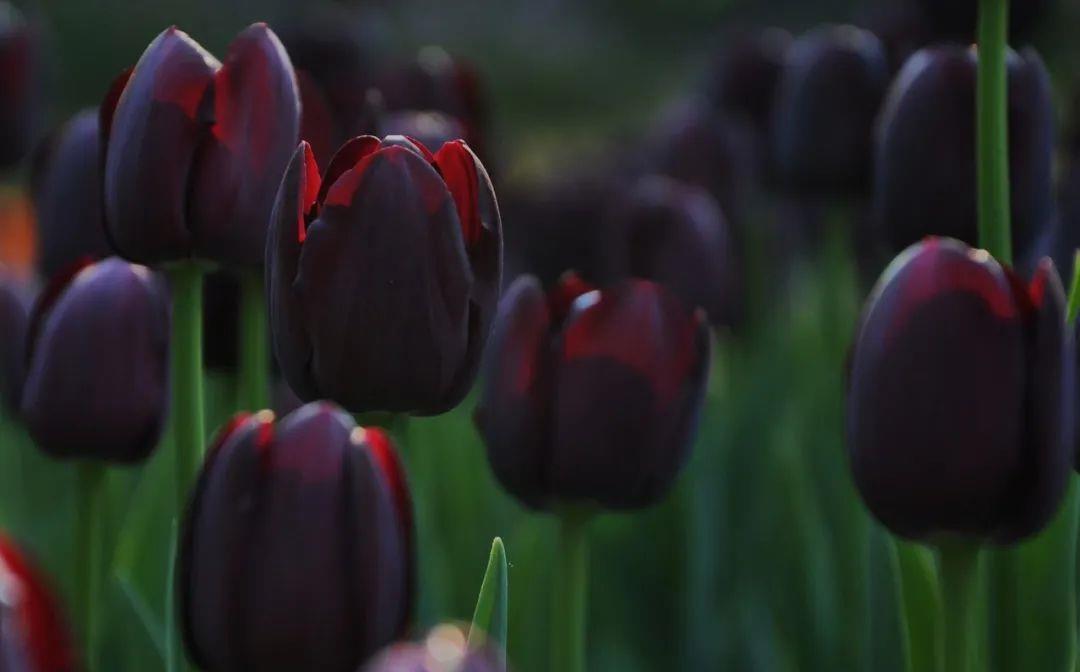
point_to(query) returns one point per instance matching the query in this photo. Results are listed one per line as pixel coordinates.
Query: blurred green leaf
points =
(489, 619)
(920, 598)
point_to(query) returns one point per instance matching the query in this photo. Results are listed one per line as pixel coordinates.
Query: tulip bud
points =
(34, 636)
(13, 317)
(296, 551)
(958, 19)
(925, 173)
(746, 73)
(833, 83)
(444, 650)
(195, 148)
(382, 282)
(675, 234)
(592, 396)
(67, 196)
(20, 86)
(97, 364)
(960, 396)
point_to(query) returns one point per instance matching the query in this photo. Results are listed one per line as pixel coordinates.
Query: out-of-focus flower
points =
(98, 362)
(745, 75)
(383, 276)
(195, 149)
(445, 649)
(34, 635)
(957, 18)
(924, 180)
(592, 396)
(901, 25)
(14, 317)
(18, 238)
(67, 196)
(960, 396)
(20, 85)
(833, 84)
(432, 129)
(296, 550)
(675, 234)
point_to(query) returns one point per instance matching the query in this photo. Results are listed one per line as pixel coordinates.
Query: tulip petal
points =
(349, 157)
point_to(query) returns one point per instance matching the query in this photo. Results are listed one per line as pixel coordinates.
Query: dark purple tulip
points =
(195, 149)
(745, 75)
(98, 364)
(925, 164)
(20, 85)
(960, 396)
(592, 397)
(67, 195)
(675, 234)
(13, 317)
(957, 18)
(296, 551)
(34, 634)
(383, 277)
(833, 84)
(444, 650)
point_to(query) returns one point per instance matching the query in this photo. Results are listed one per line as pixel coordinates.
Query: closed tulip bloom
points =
(97, 364)
(296, 551)
(383, 276)
(960, 396)
(14, 317)
(833, 84)
(592, 396)
(675, 234)
(34, 635)
(195, 149)
(445, 649)
(67, 196)
(925, 150)
(20, 85)
(745, 75)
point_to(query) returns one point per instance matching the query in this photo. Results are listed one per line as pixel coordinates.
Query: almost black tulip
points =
(744, 78)
(960, 396)
(195, 149)
(67, 196)
(383, 277)
(833, 84)
(296, 551)
(98, 363)
(445, 649)
(675, 234)
(925, 159)
(20, 85)
(34, 634)
(14, 317)
(592, 397)
(957, 19)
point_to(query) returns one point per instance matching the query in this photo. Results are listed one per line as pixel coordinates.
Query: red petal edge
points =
(347, 157)
(309, 191)
(458, 168)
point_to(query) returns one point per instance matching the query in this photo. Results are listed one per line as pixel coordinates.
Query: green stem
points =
(1074, 291)
(992, 130)
(254, 344)
(187, 377)
(89, 557)
(570, 592)
(959, 586)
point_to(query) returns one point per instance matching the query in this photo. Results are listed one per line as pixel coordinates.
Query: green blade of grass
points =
(489, 620)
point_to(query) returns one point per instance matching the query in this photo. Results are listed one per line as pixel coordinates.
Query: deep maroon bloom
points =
(20, 85)
(382, 277)
(98, 363)
(833, 84)
(957, 19)
(592, 396)
(297, 549)
(675, 234)
(960, 396)
(925, 159)
(195, 149)
(67, 196)
(34, 635)
(13, 318)
(744, 78)
(444, 650)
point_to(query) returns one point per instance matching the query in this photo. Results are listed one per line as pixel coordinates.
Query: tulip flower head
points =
(98, 363)
(960, 396)
(195, 149)
(747, 71)
(592, 396)
(383, 275)
(34, 636)
(296, 551)
(20, 86)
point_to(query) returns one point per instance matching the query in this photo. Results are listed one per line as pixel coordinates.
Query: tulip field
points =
(539, 335)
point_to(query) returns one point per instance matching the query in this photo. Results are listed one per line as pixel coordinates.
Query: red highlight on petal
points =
(108, 105)
(382, 449)
(309, 191)
(36, 617)
(458, 168)
(351, 154)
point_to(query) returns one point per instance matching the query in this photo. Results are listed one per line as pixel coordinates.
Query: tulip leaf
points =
(920, 602)
(173, 657)
(489, 620)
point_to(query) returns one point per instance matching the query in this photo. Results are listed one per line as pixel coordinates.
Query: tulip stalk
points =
(89, 557)
(254, 344)
(992, 130)
(570, 594)
(959, 564)
(187, 376)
